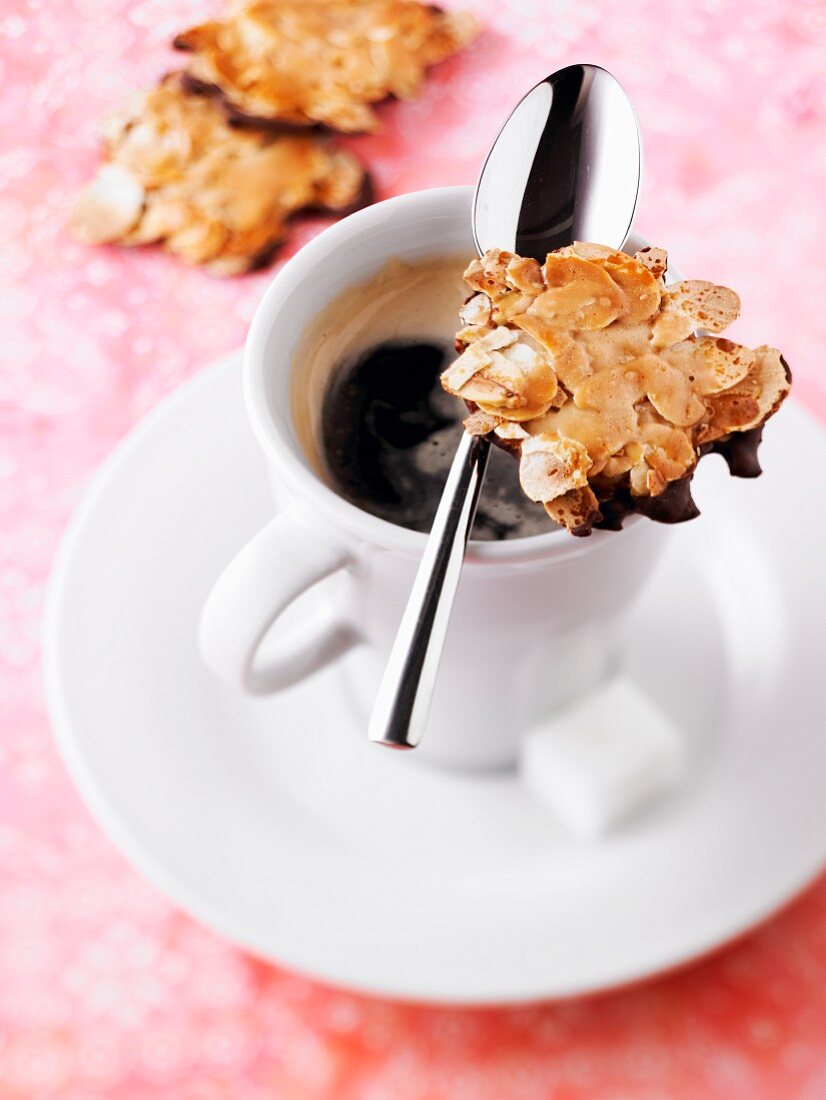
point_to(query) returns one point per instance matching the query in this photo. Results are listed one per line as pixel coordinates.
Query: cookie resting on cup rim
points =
(591, 370)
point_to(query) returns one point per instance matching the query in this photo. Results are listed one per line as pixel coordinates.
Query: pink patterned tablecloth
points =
(105, 989)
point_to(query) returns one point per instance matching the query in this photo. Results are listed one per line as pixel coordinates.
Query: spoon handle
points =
(403, 701)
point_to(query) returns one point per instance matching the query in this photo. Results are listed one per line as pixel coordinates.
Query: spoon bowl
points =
(566, 166)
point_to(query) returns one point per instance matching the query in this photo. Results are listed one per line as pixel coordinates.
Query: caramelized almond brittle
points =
(593, 372)
(218, 196)
(322, 62)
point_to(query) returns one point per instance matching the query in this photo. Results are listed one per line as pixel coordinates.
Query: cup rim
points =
(314, 495)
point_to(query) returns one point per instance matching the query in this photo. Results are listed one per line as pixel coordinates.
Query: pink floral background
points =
(105, 989)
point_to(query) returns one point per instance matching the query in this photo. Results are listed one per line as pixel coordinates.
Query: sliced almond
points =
(488, 273)
(671, 325)
(672, 448)
(475, 358)
(474, 275)
(470, 334)
(550, 466)
(640, 287)
(107, 208)
(568, 356)
(709, 306)
(548, 334)
(542, 384)
(620, 386)
(580, 294)
(201, 241)
(493, 397)
(578, 510)
(670, 391)
(472, 360)
(586, 250)
(525, 274)
(638, 479)
(505, 370)
(510, 304)
(477, 278)
(511, 429)
(480, 423)
(655, 259)
(618, 464)
(476, 310)
(711, 363)
(757, 397)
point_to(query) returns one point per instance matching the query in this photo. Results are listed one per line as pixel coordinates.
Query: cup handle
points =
(276, 566)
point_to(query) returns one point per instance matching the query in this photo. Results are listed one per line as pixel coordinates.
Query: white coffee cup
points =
(535, 619)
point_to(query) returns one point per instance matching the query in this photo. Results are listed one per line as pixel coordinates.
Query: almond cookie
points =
(308, 62)
(177, 173)
(607, 384)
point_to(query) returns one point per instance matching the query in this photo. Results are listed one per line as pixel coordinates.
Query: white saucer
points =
(274, 822)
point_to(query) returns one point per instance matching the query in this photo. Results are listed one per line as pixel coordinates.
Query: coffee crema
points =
(371, 414)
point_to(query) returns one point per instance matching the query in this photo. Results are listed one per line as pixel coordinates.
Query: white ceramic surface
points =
(534, 619)
(277, 824)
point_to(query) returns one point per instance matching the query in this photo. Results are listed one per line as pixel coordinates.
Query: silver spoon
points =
(566, 166)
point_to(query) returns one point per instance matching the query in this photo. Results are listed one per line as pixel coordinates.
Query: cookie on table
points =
(177, 173)
(591, 370)
(310, 62)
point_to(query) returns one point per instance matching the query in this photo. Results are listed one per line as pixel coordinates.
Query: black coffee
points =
(389, 435)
